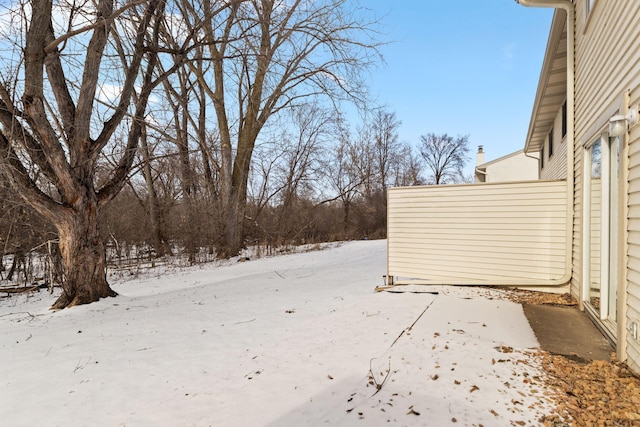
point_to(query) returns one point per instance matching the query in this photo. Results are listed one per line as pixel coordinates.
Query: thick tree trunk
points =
(346, 210)
(18, 258)
(83, 256)
(233, 226)
(235, 197)
(157, 223)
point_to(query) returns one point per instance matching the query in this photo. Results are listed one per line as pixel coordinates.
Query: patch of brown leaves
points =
(599, 393)
(522, 296)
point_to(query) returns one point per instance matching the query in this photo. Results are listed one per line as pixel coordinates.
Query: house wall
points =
(516, 167)
(555, 166)
(608, 64)
(633, 235)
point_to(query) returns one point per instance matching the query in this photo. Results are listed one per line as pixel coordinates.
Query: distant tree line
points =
(313, 181)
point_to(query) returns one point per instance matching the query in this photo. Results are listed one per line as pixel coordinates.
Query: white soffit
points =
(552, 86)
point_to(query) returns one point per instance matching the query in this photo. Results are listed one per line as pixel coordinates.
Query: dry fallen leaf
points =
(412, 411)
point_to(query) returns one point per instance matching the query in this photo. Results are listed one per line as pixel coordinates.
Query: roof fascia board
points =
(555, 36)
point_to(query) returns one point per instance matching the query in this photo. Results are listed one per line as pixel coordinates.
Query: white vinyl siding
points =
(576, 275)
(608, 64)
(555, 166)
(505, 233)
(514, 167)
(633, 239)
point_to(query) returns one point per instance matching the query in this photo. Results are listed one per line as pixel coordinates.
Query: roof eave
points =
(552, 85)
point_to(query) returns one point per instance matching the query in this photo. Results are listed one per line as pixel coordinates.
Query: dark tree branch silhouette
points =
(445, 157)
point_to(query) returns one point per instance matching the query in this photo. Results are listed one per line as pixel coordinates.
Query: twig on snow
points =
(374, 381)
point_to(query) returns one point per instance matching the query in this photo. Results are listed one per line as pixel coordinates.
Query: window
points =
(596, 160)
(564, 119)
(550, 139)
(542, 158)
(589, 6)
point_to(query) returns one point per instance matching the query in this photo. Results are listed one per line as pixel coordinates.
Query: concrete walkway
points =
(567, 331)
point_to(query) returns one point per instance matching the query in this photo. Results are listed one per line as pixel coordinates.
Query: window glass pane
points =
(595, 209)
(596, 160)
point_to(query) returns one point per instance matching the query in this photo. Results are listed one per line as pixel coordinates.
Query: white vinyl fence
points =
(480, 234)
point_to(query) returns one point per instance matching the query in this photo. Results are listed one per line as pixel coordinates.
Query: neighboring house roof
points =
(552, 86)
(499, 159)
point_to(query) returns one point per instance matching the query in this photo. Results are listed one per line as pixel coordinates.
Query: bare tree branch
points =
(445, 156)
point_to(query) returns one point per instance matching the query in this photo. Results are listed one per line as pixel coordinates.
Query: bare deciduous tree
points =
(445, 156)
(384, 133)
(347, 172)
(155, 212)
(407, 167)
(266, 56)
(305, 144)
(54, 130)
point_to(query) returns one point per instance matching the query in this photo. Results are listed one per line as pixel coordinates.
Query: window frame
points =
(589, 5)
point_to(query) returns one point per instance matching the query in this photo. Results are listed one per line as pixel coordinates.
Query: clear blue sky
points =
(465, 67)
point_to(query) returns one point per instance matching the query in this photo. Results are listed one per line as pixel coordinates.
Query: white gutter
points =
(569, 7)
(534, 158)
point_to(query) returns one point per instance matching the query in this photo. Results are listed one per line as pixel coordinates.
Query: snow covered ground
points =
(293, 340)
